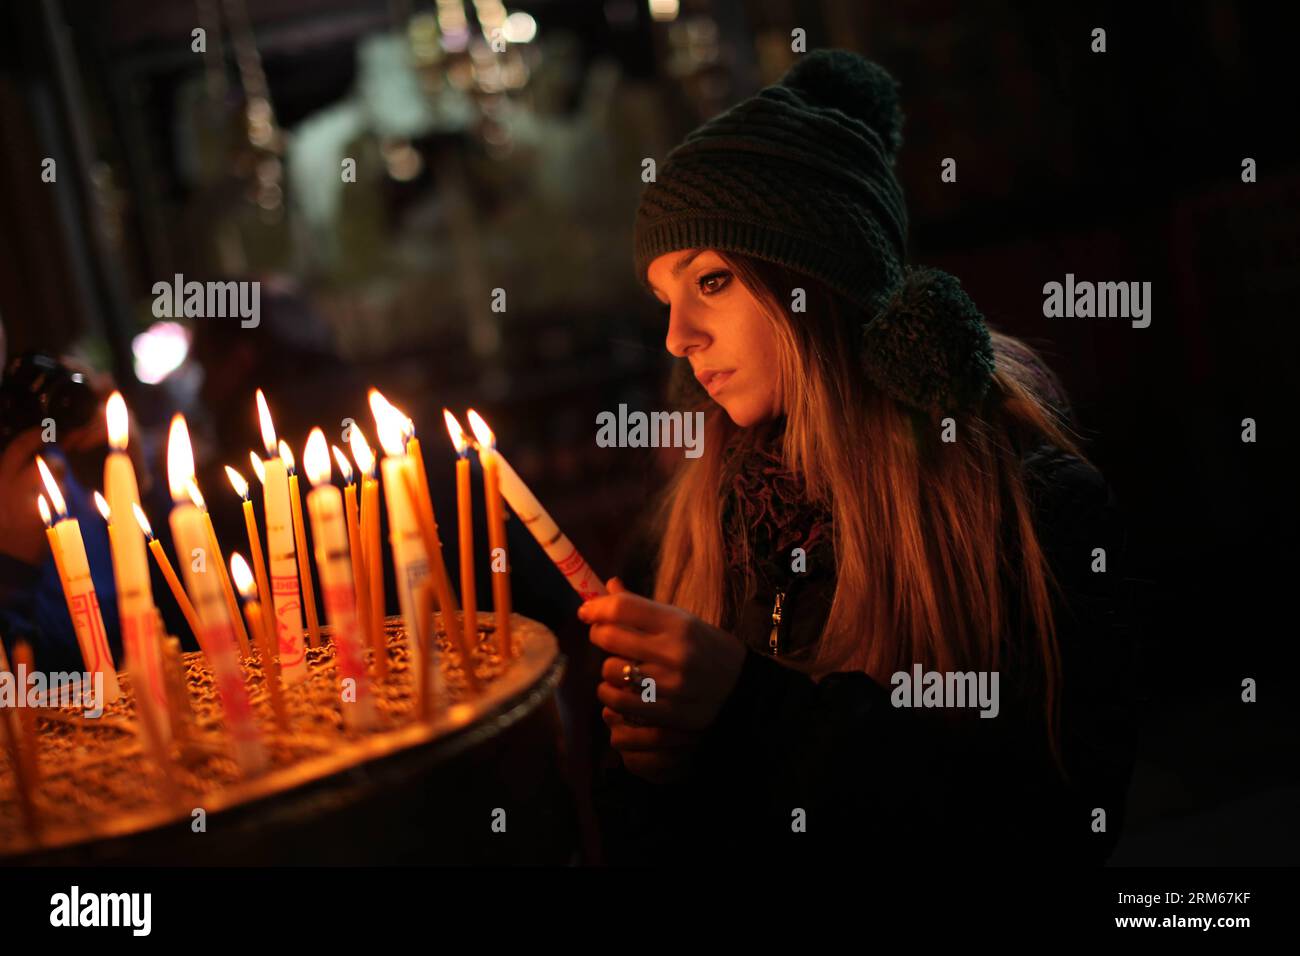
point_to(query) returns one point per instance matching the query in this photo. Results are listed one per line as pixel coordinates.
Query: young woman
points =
(879, 621)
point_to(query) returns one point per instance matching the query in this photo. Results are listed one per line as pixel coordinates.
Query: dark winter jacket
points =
(794, 769)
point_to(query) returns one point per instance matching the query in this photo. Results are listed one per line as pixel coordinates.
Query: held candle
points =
(79, 588)
(218, 635)
(548, 534)
(141, 642)
(334, 564)
(280, 551)
(496, 514)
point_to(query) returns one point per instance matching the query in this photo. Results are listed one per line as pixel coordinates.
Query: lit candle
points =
(496, 515)
(465, 528)
(360, 581)
(410, 557)
(265, 638)
(152, 712)
(70, 560)
(369, 531)
(217, 636)
(422, 502)
(300, 546)
(280, 554)
(255, 552)
(232, 606)
(548, 534)
(329, 534)
(168, 573)
(141, 642)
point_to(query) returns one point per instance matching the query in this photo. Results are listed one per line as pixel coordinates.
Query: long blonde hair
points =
(933, 540)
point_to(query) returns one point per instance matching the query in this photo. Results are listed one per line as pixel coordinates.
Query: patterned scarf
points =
(765, 504)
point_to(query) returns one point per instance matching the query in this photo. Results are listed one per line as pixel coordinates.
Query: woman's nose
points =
(684, 334)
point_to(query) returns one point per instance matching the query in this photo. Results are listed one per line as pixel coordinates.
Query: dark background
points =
(1122, 166)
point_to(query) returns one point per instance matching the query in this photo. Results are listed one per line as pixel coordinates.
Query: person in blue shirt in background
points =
(32, 606)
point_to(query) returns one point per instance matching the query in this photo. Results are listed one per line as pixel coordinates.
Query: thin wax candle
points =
(333, 561)
(70, 560)
(217, 635)
(280, 554)
(496, 515)
(141, 640)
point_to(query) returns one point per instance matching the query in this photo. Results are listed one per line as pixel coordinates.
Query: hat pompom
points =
(855, 86)
(929, 346)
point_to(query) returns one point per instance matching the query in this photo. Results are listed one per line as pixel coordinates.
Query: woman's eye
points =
(714, 282)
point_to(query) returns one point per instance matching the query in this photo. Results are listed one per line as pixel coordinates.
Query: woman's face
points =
(716, 323)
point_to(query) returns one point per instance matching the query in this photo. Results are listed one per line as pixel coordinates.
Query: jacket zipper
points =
(774, 639)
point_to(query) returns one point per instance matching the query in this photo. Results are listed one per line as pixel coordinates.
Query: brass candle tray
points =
(97, 781)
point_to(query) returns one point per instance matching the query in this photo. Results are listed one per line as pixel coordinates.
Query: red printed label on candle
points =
(341, 608)
(144, 658)
(87, 619)
(292, 647)
(230, 682)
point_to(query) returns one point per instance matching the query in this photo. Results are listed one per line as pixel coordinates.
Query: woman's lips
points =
(713, 381)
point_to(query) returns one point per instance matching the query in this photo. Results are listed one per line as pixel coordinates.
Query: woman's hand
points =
(693, 666)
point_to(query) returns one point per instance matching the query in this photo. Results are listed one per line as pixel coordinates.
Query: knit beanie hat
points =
(802, 175)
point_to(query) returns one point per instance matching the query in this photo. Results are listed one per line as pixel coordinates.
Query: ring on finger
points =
(631, 673)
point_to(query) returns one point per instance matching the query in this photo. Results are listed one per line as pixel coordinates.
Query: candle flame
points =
(237, 482)
(482, 433)
(457, 433)
(316, 458)
(103, 507)
(390, 424)
(180, 458)
(115, 412)
(44, 509)
(241, 576)
(51, 486)
(141, 520)
(402, 422)
(258, 468)
(192, 488)
(342, 460)
(286, 455)
(365, 458)
(268, 427)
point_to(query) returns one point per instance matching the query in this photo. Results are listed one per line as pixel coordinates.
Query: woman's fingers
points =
(630, 645)
(615, 668)
(660, 712)
(627, 609)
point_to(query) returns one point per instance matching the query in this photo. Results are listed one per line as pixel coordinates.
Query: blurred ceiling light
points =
(454, 26)
(519, 28)
(402, 160)
(664, 10)
(423, 34)
(160, 350)
(491, 15)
